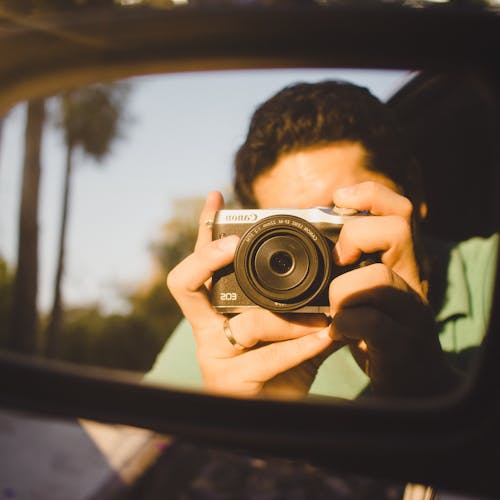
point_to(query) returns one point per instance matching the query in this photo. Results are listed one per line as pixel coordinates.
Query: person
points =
(389, 323)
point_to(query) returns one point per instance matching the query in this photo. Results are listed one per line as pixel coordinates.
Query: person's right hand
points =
(282, 353)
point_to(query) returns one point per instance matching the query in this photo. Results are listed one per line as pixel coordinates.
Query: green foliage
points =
(93, 117)
(125, 341)
(128, 342)
(178, 234)
(132, 341)
(158, 306)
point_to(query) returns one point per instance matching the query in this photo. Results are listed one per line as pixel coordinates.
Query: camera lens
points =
(281, 262)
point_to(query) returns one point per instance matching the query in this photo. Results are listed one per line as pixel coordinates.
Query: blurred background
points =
(100, 190)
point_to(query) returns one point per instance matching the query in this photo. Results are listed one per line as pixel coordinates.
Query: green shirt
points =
(463, 316)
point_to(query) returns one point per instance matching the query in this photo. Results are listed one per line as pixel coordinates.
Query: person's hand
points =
(389, 233)
(382, 309)
(281, 354)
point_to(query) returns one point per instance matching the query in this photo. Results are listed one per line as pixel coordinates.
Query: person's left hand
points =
(389, 233)
(382, 309)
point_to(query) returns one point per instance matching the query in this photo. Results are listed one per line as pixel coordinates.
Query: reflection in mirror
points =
(101, 190)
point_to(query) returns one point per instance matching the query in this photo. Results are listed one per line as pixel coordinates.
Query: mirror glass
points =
(101, 189)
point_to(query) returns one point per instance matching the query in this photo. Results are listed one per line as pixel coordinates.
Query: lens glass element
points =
(281, 262)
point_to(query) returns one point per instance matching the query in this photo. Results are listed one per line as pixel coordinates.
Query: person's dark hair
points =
(307, 115)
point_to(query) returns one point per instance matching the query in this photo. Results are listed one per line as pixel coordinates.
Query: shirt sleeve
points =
(471, 279)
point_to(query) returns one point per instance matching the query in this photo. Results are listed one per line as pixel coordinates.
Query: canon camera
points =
(283, 261)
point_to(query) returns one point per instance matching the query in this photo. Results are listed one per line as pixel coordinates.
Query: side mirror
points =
(445, 441)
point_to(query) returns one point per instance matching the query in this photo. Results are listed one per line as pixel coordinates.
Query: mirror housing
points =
(452, 443)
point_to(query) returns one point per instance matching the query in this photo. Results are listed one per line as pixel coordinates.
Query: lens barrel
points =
(283, 263)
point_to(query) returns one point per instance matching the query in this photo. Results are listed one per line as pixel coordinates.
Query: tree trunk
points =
(24, 313)
(54, 326)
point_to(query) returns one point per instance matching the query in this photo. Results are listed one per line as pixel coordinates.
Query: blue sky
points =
(180, 142)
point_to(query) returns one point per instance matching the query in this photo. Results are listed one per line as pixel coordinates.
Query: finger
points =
(378, 329)
(375, 285)
(373, 234)
(186, 280)
(374, 197)
(214, 202)
(272, 359)
(259, 325)
(383, 333)
(389, 235)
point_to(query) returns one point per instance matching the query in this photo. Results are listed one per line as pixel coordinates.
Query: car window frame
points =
(436, 442)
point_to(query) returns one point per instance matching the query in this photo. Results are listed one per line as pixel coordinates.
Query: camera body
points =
(284, 260)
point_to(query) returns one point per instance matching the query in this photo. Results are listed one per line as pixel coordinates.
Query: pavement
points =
(44, 458)
(50, 459)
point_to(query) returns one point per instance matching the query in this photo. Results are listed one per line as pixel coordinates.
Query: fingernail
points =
(325, 333)
(335, 335)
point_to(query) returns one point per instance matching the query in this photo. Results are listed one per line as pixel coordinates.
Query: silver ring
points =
(209, 222)
(230, 336)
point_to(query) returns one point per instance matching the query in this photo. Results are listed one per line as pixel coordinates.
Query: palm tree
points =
(24, 332)
(92, 119)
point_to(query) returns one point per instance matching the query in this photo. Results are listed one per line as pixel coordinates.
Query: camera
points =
(283, 261)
